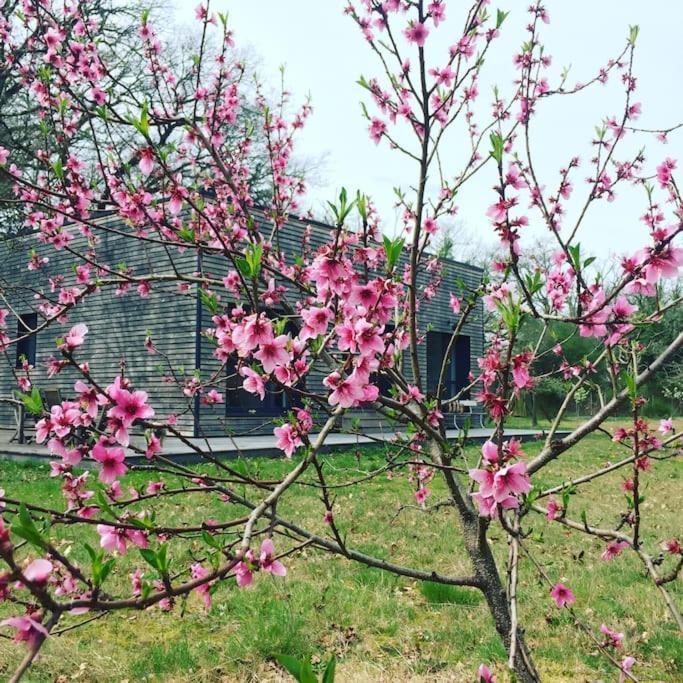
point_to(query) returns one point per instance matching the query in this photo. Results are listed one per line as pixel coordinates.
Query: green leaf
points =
(250, 265)
(361, 205)
(500, 17)
(575, 255)
(58, 169)
(496, 146)
(631, 385)
(210, 540)
(158, 560)
(307, 674)
(186, 234)
(100, 568)
(392, 249)
(243, 266)
(209, 301)
(290, 664)
(103, 504)
(633, 34)
(26, 528)
(33, 402)
(150, 557)
(144, 120)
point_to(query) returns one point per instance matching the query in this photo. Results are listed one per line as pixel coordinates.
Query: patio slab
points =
(254, 446)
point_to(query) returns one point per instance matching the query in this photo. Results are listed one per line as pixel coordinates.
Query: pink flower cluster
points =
(245, 568)
(289, 435)
(500, 481)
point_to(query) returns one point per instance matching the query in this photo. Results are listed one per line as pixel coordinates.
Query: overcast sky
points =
(324, 54)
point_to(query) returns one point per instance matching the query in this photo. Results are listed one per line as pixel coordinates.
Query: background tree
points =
(116, 24)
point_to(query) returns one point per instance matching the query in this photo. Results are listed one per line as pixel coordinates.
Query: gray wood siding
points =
(118, 324)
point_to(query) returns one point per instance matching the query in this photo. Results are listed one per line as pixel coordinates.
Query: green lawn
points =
(382, 628)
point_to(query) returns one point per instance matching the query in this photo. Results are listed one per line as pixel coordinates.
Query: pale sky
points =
(324, 54)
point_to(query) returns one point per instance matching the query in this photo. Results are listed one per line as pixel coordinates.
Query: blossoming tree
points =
(349, 307)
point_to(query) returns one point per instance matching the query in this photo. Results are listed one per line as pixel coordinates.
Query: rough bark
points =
(486, 571)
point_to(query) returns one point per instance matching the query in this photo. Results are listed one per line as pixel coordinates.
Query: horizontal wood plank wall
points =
(118, 324)
(435, 314)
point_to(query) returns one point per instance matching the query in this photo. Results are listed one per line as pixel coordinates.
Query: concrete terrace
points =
(252, 446)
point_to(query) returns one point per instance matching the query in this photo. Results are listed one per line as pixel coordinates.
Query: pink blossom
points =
(89, 398)
(454, 303)
(562, 595)
(267, 561)
(253, 382)
(421, 495)
(136, 582)
(553, 509)
(664, 171)
(153, 446)
(346, 392)
(520, 374)
(485, 675)
(368, 338)
(489, 452)
(199, 572)
(75, 337)
(38, 571)
(114, 539)
(614, 639)
(29, 630)
(287, 439)
(130, 406)
(626, 666)
(672, 546)
(437, 9)
(431, 227)
(304, 419)
(244, 570)
(613, 549)
(511, 480)
(273, 353)
(146, 161)
(212, 397)
(316, 321)
(111, 459)
(666, 426)
(416, 33)
(155, 487)
(377, 128)
(485, 480)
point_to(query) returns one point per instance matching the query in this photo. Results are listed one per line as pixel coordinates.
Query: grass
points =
(381, 627)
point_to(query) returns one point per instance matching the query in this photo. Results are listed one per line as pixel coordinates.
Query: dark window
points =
(381, 379)
(241, 402)
(457, 367)
(26, 347)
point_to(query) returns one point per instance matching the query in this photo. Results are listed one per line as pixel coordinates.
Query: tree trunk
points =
(484, 564)
(496, 597)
